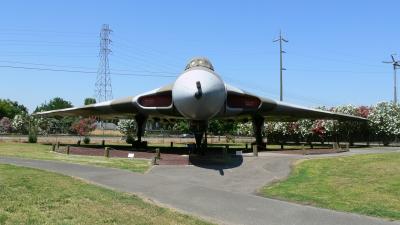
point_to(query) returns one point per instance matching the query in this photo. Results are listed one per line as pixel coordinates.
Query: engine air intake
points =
(242, 101)
(163, 99)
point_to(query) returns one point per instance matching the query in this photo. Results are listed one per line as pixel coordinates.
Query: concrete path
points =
(225, 196)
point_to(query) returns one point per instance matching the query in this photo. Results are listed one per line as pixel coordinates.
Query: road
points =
(222, 195)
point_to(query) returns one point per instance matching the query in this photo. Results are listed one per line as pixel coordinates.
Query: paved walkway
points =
(222, 195)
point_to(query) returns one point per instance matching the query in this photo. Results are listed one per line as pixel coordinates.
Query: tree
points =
(10, 108)
(5, 125)
(60, 125)
(222, 127)
(89, 101)
(181, 126)
(53, 104)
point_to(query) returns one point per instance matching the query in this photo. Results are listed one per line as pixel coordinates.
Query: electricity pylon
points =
(103, 90)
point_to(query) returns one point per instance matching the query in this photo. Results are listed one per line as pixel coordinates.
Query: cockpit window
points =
(203, 62)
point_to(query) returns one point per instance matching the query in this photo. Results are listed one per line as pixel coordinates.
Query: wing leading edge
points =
(275, 110)
(156, 103)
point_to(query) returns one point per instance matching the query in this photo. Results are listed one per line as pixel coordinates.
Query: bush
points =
(130, 139)
(32, 137)
(84, 126)
(86, 140)
(127, 127)
(5, 125)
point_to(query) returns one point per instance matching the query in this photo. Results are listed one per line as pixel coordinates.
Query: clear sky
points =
(334, 55)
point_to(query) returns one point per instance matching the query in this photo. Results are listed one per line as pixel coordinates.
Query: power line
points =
(89, 68)
(335, 60)
(82, 71)
(31, 30)
(44, 42)
(336, 71)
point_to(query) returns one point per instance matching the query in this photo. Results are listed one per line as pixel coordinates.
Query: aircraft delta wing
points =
(155, 103)
(158, 104)
(243, 104)
(198, 95)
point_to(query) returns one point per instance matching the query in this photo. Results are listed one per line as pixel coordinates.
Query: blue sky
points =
(334, 55)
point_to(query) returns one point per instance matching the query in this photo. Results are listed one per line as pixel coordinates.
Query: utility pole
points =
(103, 90)
(281, 63)
(396, 64)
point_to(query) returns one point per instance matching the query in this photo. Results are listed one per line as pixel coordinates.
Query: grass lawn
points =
(31, 196)
(40, 151)
(365, 184)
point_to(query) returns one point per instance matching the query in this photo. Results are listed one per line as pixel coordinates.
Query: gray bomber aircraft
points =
(198, 95)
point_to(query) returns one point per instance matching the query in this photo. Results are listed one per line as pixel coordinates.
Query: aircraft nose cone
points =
(199, 94)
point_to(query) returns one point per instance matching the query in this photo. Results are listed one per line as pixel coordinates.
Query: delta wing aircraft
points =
(199, 95)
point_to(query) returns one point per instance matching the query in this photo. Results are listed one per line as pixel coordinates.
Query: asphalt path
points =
(225, 195)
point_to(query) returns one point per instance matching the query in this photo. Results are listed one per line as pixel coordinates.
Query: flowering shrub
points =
(244, 129)
(127, 127)
(84, 126)
(5, 125)
(305, 128)
(20, 124)
(319, 128)
(385, 121)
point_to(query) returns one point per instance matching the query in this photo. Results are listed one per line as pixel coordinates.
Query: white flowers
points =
(384, 122)
(127, 127)
(244, 129)
(385, 119)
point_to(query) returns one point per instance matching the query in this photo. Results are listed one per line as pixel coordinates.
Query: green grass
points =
(365, 184)
(31, 196)
(40, 151)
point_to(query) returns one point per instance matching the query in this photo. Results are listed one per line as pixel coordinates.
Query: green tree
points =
(181, 126)
(10, 108)
(89, 101)
(61, 125)
(53, 104)
(222, 127)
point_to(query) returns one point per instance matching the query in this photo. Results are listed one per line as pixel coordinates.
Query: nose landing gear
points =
(199, 128)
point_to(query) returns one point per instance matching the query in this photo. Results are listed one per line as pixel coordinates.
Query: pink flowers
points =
(84, 126)
(5, 125)
(363, 111)
(319, 128)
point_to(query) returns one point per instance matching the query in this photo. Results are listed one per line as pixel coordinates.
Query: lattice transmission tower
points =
(103, 90)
